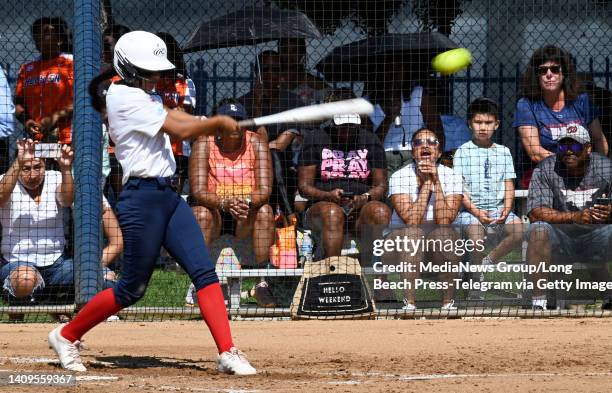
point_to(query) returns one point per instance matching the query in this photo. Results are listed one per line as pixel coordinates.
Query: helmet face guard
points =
(139, 53)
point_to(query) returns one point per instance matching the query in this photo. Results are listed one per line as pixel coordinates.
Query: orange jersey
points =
(232, 175)
(45, 86)
(176, 93)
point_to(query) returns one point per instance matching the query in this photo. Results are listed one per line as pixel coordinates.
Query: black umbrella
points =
(359, 60)
(250, 26)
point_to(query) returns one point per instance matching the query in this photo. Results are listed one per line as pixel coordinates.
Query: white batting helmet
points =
(139, 51)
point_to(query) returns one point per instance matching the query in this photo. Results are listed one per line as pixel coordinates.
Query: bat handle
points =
(248, 123)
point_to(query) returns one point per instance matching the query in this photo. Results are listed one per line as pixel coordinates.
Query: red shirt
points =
(176, 93)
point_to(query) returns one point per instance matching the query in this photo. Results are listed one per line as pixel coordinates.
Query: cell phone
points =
(348, 194)
(603, 201)
(47, 150)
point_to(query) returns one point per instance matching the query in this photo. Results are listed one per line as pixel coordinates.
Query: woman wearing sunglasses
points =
(425, 197)
(552, 101)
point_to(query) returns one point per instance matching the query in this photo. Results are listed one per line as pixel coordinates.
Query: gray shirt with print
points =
(551, 186)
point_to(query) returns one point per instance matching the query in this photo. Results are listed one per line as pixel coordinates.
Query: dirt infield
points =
(554, 355)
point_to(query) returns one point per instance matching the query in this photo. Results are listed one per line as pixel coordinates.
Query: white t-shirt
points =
(135, 120)
(411, 119)
(404, 181)
(33, 232)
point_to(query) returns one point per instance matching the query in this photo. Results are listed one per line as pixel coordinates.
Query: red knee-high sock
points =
(212, 308)
(99, 308)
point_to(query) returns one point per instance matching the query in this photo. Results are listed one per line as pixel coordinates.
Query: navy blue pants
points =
(152, 214)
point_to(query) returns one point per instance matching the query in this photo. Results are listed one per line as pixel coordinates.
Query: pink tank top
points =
(232, 174)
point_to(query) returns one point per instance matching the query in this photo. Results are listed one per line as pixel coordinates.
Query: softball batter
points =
(151, 214)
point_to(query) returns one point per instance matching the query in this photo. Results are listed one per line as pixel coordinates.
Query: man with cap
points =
(570, 211)
(342, 172)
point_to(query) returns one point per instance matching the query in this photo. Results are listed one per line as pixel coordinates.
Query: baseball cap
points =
(351, 118)
(235, 110)
(576, 132)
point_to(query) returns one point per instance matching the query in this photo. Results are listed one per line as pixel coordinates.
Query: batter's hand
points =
(226, 124)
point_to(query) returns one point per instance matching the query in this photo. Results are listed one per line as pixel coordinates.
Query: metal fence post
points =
(87, 142)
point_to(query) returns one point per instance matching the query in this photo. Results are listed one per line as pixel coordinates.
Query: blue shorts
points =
(60, 274)
(465, 218)
(592, 246)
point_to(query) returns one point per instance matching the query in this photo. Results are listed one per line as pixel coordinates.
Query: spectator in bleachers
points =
(342, 173)
(602, 100)
(569, 193)
(114, 242)
(488, 175)
(7, 120)
(230, 181)
(268, 97)
(32, 208)
(31, 212)
(551, 102)
(110, 36)
(296, 78)
(178, 93)
(426, 197)
(402, 105)
(44, 92)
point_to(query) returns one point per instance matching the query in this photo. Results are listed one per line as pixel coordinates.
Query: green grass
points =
(166, 289)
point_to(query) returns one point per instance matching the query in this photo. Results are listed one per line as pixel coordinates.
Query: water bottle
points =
(306, 248)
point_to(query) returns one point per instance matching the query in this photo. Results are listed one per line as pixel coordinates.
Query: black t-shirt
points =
(286, 100)
(347, 165)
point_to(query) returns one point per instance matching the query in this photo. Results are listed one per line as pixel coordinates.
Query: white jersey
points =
(135, 119)
(405, 181)
(33, 232)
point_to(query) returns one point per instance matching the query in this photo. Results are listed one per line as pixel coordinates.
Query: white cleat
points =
(67, 352)
(234, 362)
(450, 306)
(408, 306)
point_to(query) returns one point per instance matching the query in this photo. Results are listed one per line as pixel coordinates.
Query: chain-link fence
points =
(277, 205)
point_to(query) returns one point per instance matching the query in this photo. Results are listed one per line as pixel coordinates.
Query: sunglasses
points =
(543, 70)
(427, 141)
(575, 148)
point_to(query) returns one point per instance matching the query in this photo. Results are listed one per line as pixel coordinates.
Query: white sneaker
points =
(234, 362)
(539, 304)
(67, 352)
(449, 306)
(408, 306)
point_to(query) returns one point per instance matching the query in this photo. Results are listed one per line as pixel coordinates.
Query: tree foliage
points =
(438, 15)
(371, 15)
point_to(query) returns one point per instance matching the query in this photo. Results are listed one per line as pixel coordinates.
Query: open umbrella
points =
(249, 26)
(359, 60)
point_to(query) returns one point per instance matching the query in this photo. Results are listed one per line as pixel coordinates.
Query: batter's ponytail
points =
(98, 87)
